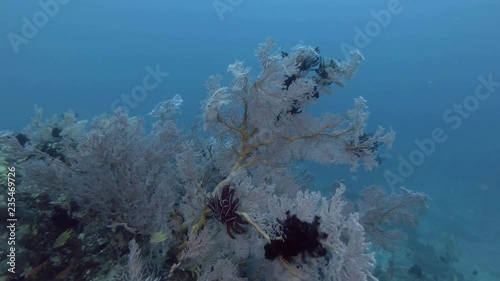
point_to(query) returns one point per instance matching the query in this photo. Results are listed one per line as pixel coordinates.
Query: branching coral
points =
(263, 122)
(381, 214)
(258, 127)
(265, 119)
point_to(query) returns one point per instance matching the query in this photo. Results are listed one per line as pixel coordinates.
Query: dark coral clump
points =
(224, 210)
(296, 237)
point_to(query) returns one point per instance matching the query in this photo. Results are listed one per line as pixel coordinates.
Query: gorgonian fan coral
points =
(132, 181)
(224, 210)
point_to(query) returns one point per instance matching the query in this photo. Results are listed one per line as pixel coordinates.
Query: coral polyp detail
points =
(224, 210)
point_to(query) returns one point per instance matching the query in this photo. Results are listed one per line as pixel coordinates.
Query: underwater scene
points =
(228, 140)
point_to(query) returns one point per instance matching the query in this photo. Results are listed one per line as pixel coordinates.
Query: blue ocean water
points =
(431, 72)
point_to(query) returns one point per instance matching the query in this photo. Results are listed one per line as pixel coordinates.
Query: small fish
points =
(62, 238)
(158, 237)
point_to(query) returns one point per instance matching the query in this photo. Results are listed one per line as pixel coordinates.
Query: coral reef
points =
(133, 203)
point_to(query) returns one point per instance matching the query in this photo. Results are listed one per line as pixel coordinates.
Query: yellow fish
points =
(158, 237)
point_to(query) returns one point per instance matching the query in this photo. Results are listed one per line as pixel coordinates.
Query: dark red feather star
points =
(224, 210)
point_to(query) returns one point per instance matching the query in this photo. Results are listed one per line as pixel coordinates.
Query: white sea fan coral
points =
(214, 105)
(228, 196)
